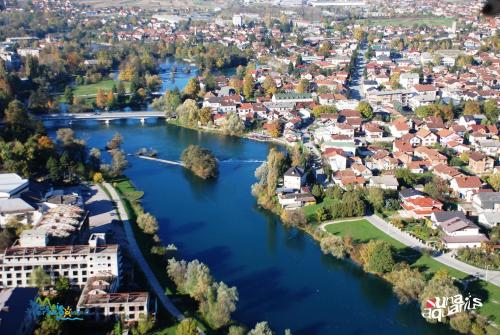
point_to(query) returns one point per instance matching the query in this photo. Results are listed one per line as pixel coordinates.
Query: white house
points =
(461, 233)
(408, 79)
(385, 182)
(294, 178)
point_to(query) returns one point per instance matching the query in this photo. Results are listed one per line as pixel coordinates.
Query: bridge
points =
(104, 116)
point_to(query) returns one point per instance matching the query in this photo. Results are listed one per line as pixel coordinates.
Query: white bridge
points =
(104, 116)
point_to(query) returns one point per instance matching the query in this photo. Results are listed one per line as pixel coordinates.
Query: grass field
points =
(408, 21)
(363, 231)
(92, 89)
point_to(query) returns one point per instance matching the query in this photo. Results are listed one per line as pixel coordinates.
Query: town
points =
(382, 120)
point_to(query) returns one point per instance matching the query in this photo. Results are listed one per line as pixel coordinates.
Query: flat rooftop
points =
(62, 250)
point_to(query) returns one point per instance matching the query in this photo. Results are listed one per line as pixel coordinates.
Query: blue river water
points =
(281, 274)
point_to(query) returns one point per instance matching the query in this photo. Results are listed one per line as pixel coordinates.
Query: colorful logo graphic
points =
(40, 307)
(438, 308)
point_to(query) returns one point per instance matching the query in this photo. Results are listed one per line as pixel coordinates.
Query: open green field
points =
(92, 89)
(408, 21)
(363, 231)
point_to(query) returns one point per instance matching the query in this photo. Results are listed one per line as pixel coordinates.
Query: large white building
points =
(75, 262)
(11, 185)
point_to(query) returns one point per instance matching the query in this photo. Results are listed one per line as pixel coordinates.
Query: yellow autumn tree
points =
(101, 99)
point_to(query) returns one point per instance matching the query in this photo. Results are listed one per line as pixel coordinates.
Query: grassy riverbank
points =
(362, 231)
(131, 200)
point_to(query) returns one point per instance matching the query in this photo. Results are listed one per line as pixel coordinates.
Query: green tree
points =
(204, 116)
(118, 163)
(269, 86)
(461, 322)
(115, 142)
(192, 88)
(494, 181)
(365, 109)
(68, 95)
(295, 218)
(334, 245)
(40, 278)
(144, 326)
(200, 161)
(187, 113)
(236, 330)
(407, 283)
(147, 223)
(233, 125)
(304, 86)
(491, 110)
(187, 327)
(377, 256)
(324, 109)
(218, 304)
(261, 328)
(376, 198)
(53, 170)
(441, 285)
(472, 107)
(49, 326)
(438, 189)
(248, 87)
(62, 285)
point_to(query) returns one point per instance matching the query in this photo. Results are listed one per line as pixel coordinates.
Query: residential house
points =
(461, 233)
(465, 186)
(294, 178)
(487, 207)
(446, 172)
(479, 163)
(427, 138)
(420, 206)
(385, 182)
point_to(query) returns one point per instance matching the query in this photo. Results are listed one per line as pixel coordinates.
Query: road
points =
(447, 259)
(355, 91)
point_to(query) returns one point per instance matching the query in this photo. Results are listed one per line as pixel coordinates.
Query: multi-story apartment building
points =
(99, 300)
(75, 262)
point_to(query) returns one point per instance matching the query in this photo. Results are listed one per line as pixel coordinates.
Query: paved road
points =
(355, 91)
(135, 251)
(492, 277)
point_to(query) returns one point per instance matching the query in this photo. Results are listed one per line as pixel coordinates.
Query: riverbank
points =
(245, 135)
(364, 232)
(178, 305)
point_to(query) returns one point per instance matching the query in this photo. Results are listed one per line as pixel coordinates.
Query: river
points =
(281, 274)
